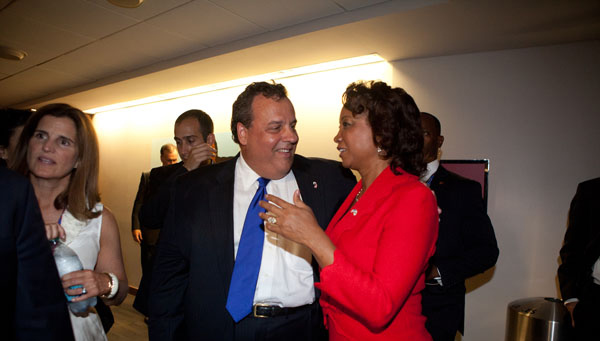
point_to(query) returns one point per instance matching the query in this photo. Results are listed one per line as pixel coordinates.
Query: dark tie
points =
(247, 260)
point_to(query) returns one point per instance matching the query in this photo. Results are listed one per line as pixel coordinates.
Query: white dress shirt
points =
(286, 275)
(432, 167)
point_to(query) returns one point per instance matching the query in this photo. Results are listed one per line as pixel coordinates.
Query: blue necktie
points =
(247, 261)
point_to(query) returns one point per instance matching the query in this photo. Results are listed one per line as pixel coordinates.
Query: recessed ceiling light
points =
(126, 3)
(11, 54)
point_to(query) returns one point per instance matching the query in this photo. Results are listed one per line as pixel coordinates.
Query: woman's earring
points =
(378, 150)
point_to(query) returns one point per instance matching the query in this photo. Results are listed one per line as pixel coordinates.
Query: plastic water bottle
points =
(67, 261)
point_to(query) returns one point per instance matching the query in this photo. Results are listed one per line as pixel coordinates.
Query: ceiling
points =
(90, 53)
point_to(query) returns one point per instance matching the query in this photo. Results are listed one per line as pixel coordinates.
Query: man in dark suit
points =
(147, 238)
(195, 140)
(206, 224)
(195, 143)
(466, 242)
(579, 273)
(33, 305)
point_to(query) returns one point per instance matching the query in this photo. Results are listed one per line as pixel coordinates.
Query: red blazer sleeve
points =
(405, 225)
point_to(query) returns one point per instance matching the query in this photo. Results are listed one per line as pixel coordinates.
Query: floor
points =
(129, 323)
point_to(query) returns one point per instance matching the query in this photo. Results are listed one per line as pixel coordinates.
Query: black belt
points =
(265, 311)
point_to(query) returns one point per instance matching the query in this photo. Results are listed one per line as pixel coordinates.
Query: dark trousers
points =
(587, 314)
(303, 325)
(147, 255)
(444, 311)
(148, 250)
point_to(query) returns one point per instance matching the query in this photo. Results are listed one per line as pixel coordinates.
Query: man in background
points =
(147, 238)
(466, 242)
(11, 125)
(579, 273)
(195, 143)
(195, 139)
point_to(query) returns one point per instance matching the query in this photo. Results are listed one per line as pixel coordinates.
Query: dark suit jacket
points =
(139, 200)
(581, 247)
(156, 201)
(151, 216)
(33, 303)
(466, 246)
(195, 256)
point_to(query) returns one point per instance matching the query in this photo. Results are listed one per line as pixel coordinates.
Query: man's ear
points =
(440, 141)
(242, 133)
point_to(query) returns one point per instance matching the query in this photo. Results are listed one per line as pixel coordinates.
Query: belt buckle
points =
(256, 314)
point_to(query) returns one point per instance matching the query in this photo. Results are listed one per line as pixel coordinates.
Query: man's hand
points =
(137, 235)
(571, 307)
(199, 154)
(432, 272)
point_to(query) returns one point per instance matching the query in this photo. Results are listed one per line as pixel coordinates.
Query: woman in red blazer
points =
(374, 252)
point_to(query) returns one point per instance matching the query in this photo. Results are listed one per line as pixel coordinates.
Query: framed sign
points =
(471, 169)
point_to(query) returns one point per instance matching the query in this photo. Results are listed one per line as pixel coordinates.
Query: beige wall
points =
(532, 112)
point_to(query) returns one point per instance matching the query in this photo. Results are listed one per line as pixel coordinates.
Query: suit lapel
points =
(439, 178)
(309, 190)
(221, 220)
(313, 196)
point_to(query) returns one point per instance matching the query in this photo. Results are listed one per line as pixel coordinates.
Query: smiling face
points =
(52, 151)
(355, 141)
(269, 144)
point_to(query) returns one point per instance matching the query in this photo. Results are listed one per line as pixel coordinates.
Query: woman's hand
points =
(54, 230)
(93, 284)
(297, 222)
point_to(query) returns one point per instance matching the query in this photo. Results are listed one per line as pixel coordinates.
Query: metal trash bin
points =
(537, 319)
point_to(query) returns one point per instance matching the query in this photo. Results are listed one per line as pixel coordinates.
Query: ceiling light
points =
(126, 3)
(11, 54)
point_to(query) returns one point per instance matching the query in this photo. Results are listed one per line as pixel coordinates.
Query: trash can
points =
(538, 319)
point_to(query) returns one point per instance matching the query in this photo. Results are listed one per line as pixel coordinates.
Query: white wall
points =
(535, 114)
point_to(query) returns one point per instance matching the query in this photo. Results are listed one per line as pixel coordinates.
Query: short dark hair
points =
(436, 123)
(81, 195)
(395, 122)
(11, 119)
(242, 107)
(206, 123)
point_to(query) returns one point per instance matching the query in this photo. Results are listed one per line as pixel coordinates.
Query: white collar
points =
(247, 176)
(432, 167)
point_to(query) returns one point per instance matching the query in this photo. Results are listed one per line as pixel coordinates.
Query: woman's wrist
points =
(322, 248)
(113, 286)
